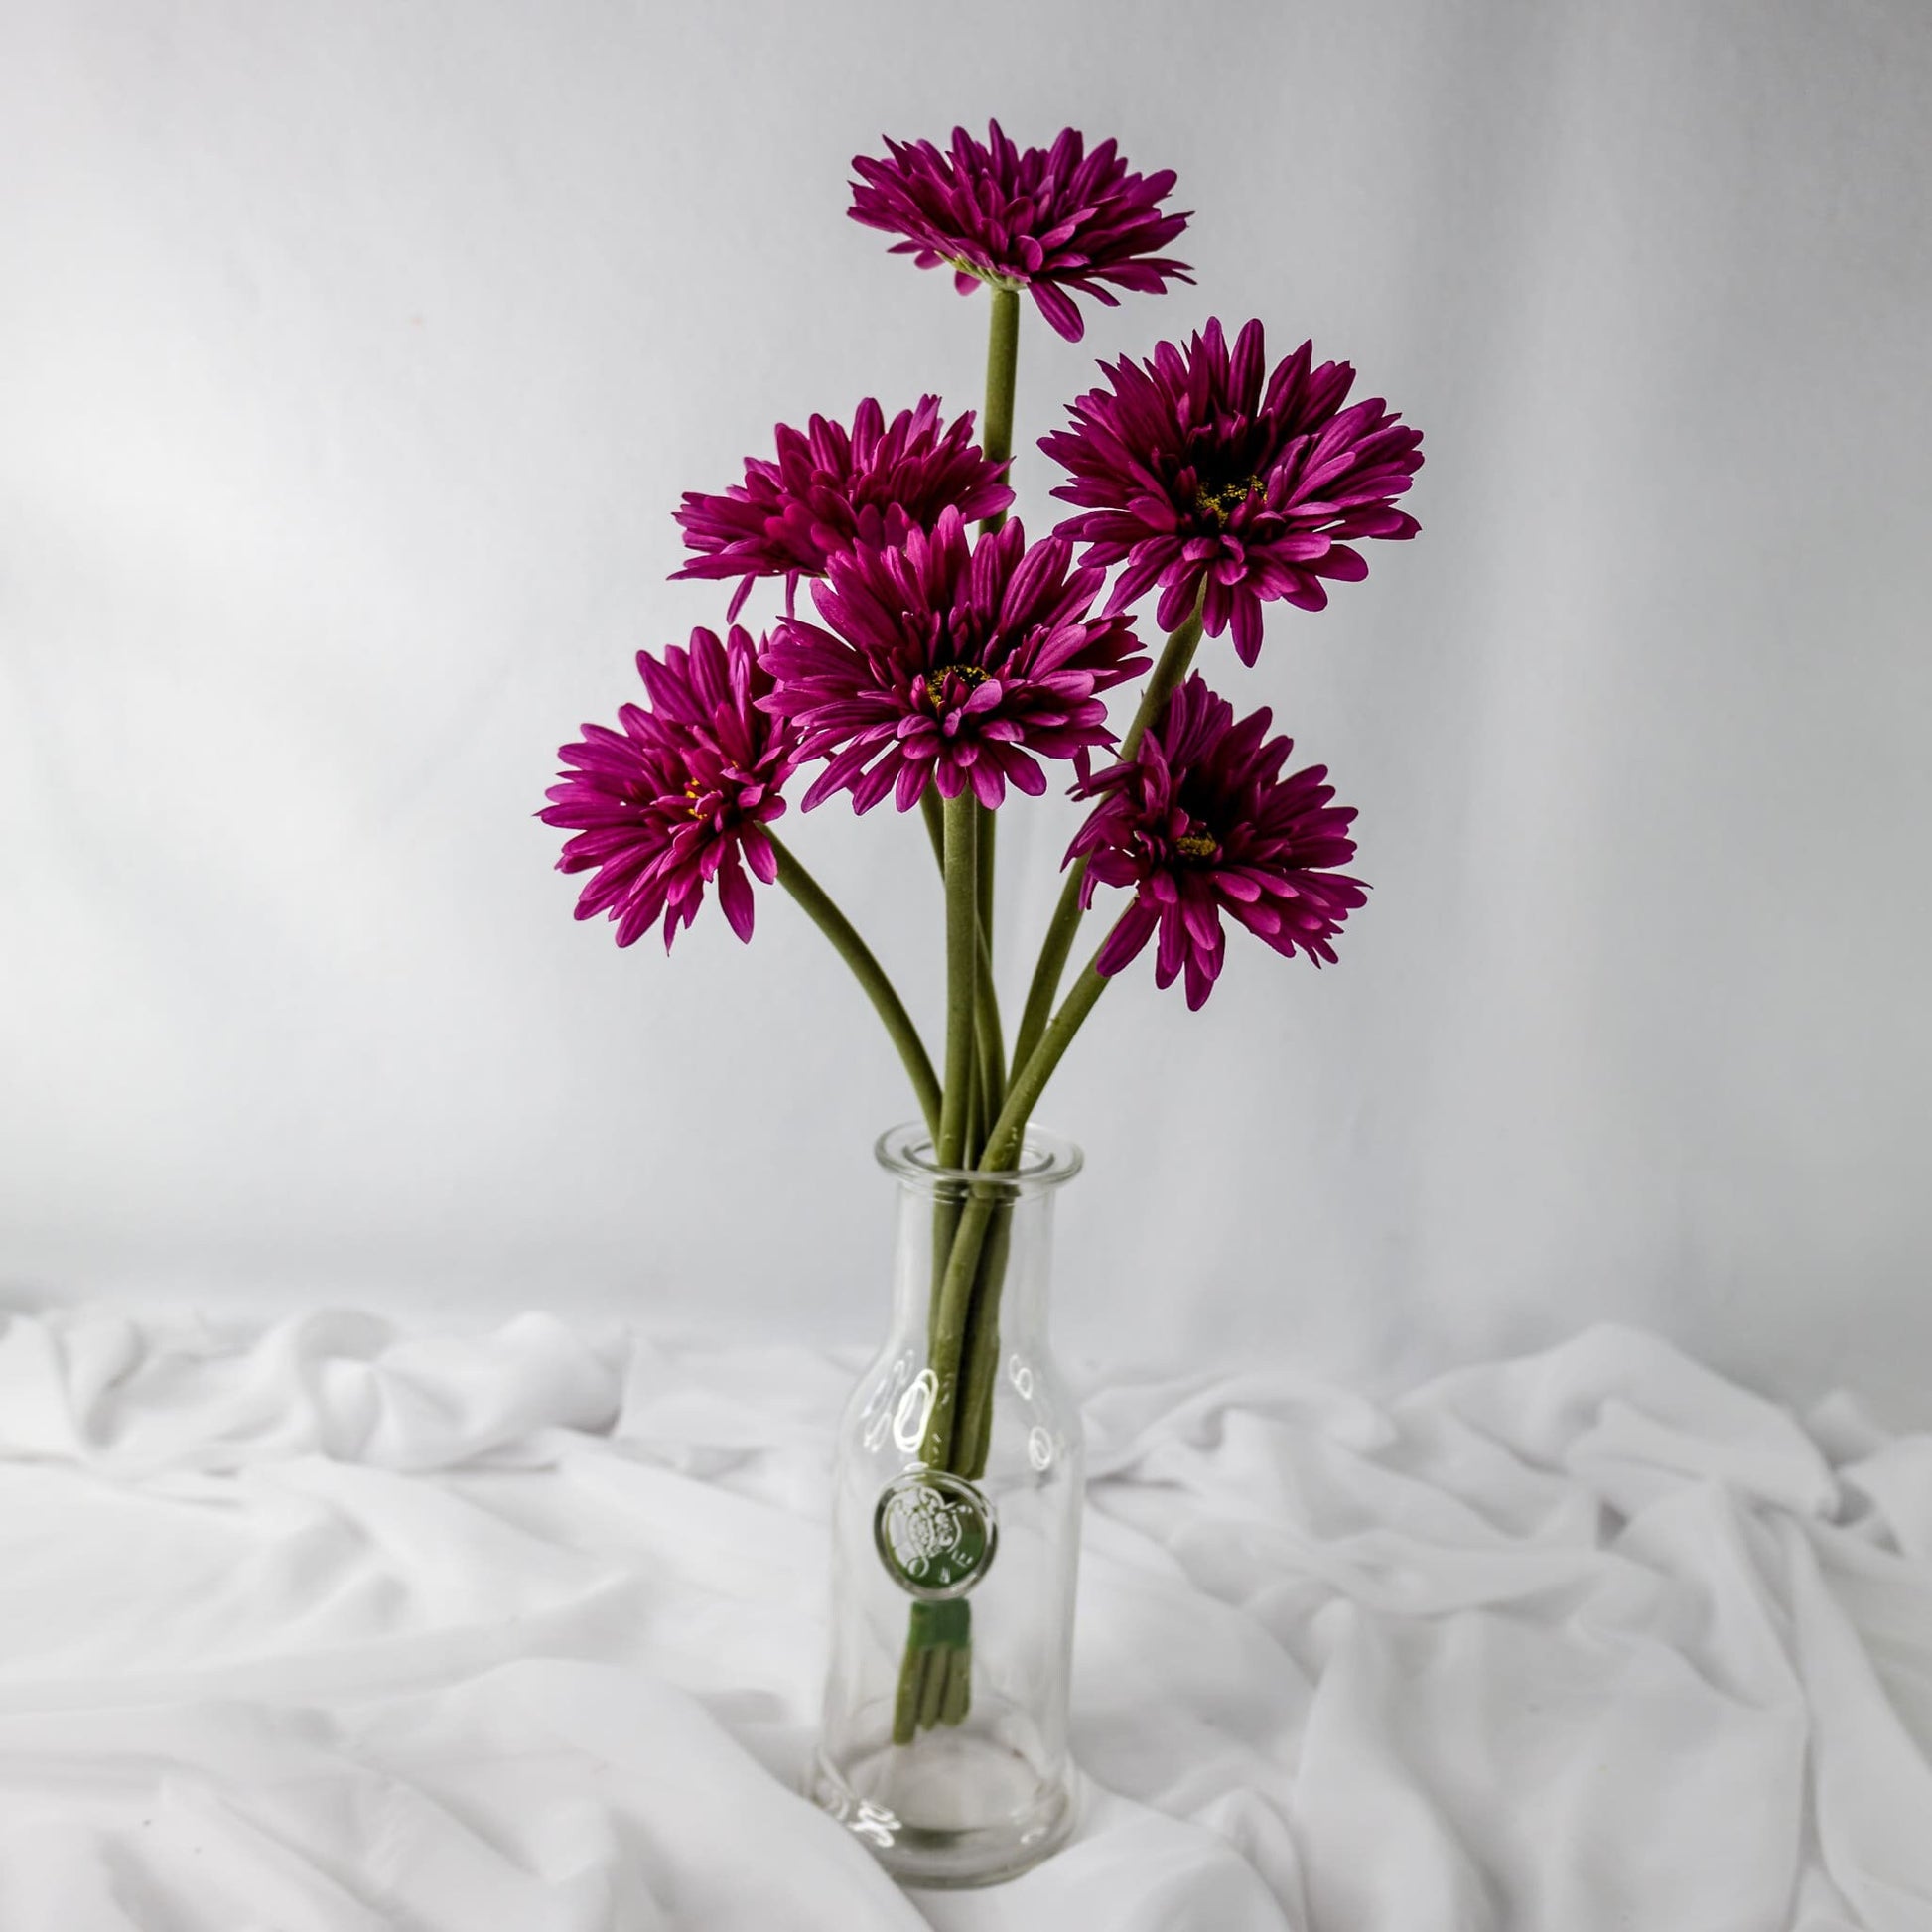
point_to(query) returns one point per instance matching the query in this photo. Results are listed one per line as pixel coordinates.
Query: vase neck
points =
(1005, 1221)
(1019, 1247)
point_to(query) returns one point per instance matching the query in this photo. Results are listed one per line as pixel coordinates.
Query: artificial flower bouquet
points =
(943, 671)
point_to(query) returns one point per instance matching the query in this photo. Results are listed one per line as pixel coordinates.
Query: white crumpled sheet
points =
(334, 1628)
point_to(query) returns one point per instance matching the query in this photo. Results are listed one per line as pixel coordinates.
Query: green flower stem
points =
(972, 1438)
(959, 1682)
(929, 1647)
(979, 1378)
(962, 970)
(946, 1330)
(1002, 1143)
(1054, 950)
(921, 1659)
(933, 1690)
(991, 1083)
(818, 907)
(945, 1436)
(989, 839)
(946, 1343)
(957, 829)
(986, 1018)
(935, 1683)
(996, 441)
(906, 1704)
(992, 1039)
(1168, 673)
(932, 808)
(978, 1120)
(1001, 366)
(938, 1666)
(1175, 657)
(966, 1302)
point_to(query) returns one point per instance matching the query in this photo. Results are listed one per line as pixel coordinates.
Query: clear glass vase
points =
(956, 1529)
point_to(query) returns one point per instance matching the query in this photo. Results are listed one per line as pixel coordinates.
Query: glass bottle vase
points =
(956, 1525)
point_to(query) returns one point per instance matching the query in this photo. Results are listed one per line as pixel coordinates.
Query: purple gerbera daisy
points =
(1200, 822)
(940, 663)
(1193, 475)
(680, 794)
(830, 488)
(1050, 219)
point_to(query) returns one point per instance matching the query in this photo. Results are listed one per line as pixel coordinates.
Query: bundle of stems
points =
(977, 1114)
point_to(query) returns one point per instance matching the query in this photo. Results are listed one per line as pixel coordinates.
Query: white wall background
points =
(352, 357)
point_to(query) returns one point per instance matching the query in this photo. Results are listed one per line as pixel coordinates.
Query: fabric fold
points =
(337, 1625)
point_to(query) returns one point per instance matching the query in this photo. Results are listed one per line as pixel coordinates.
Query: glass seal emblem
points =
(935, 1532)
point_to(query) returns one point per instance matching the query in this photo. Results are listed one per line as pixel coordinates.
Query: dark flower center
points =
(1198, 847)
(940, 690)
(1218, 502)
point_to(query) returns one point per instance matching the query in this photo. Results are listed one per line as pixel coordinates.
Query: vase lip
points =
(1046, 1159)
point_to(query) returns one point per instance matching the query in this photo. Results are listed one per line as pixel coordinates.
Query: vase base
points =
(949, 1785)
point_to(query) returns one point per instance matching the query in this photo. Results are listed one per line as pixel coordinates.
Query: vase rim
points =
(1046, 1159)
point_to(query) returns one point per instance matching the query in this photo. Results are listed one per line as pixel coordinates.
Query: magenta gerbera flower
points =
(831, 488)
(1191, 473)
(936, 663)
(1051, 220)
(680, 795)
(1200, 822)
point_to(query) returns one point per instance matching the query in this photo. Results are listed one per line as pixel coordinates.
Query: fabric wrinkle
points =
(333, 1625)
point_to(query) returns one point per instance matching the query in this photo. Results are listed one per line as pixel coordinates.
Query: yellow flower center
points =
(1197, 845)
(970, 676)
(1220, 502)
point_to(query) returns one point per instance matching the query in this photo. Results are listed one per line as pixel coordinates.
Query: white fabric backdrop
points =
(335, 1629)
(351, 359)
